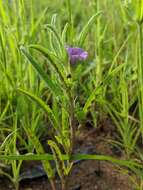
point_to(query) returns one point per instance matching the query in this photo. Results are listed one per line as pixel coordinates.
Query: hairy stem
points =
(72, 123)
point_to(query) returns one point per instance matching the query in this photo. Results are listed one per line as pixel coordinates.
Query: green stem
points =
(17, 186)
(64, 184)
(72, 122)
(99, 46)
(140, 75)
(70, 19)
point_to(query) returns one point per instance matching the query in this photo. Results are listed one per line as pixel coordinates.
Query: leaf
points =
(51, 40)
(53, 30)
(124, 163)
(84, 32)
(55, 89)
(57, 155)
(41, 103)
(91, 98)
(106, 80)
(119, 52)
(64, 33)
(40, 150)
(37, 23)
(59, 68)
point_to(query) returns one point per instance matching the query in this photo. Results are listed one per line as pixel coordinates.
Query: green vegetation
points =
(42, 93)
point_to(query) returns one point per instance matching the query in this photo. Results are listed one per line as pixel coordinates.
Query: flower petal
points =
(76, 54)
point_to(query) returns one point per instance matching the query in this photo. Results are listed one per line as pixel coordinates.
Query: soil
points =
(90, 174)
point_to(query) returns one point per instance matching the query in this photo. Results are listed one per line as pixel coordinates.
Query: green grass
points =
(41, 93)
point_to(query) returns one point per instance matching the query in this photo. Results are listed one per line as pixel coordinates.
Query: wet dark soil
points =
(90, 174)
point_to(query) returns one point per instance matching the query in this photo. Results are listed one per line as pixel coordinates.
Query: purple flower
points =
(76, 54)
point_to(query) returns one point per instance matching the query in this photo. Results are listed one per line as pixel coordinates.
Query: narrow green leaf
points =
(41, 103)
(64, 33)
(90, 99)
(126, 163)
(37, 23)
(53, 30)
(57, 155)
(40, 150)
(86, 28)
(58, 67)
(55, 89)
